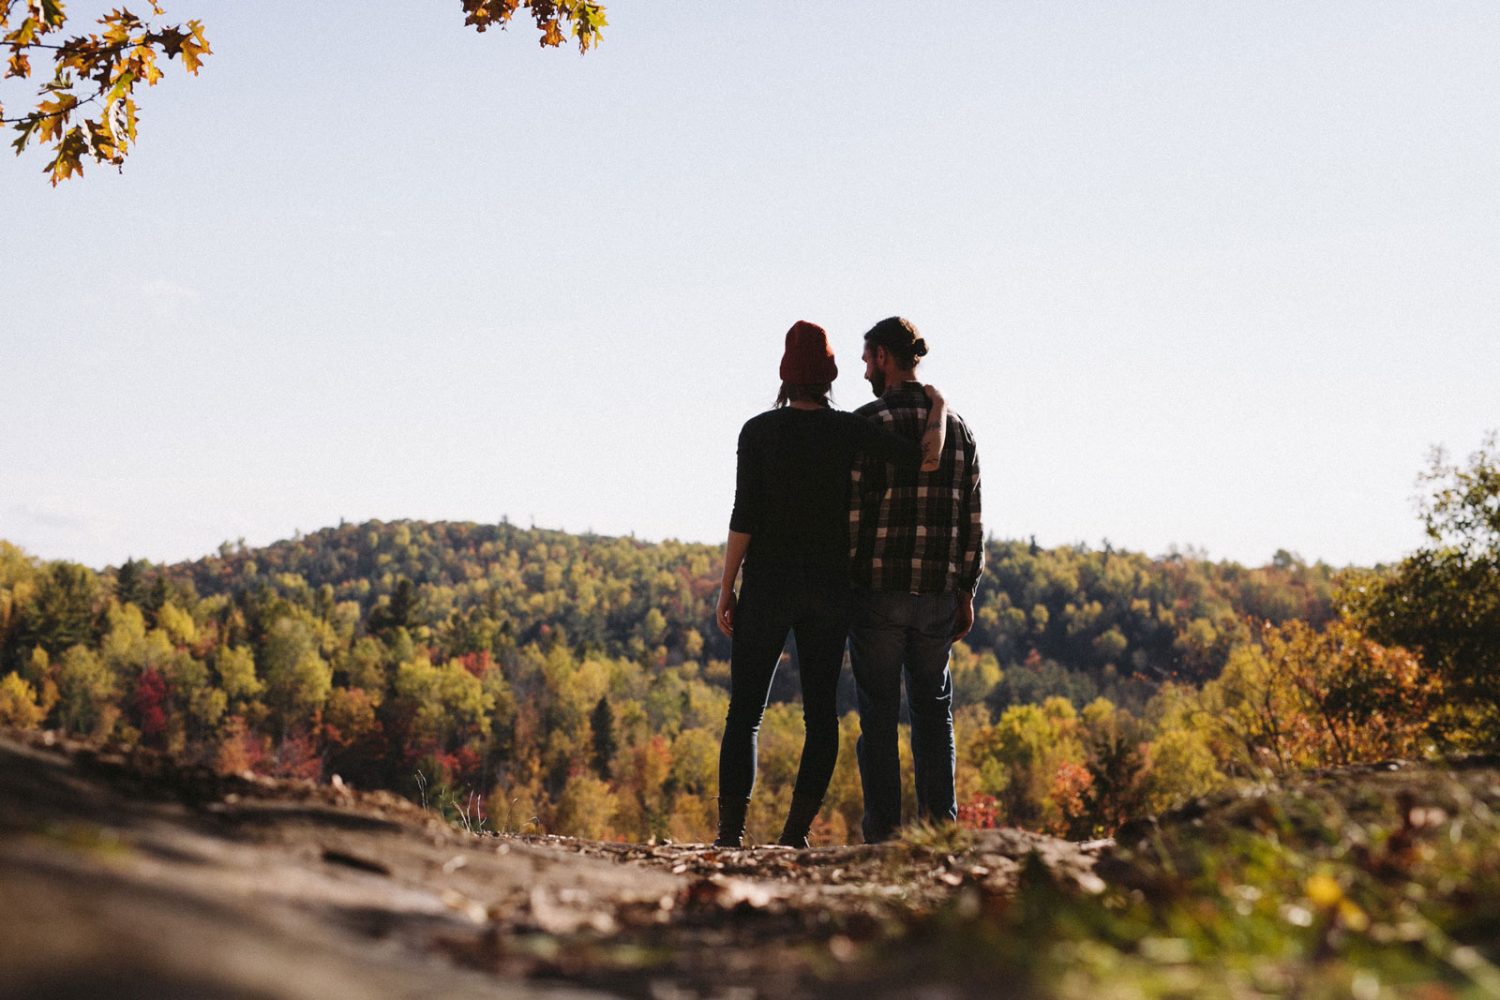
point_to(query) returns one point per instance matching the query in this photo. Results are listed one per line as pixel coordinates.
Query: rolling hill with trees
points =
(574, 683)
(528, 679)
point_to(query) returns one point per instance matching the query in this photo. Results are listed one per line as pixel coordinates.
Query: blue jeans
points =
(910, 634)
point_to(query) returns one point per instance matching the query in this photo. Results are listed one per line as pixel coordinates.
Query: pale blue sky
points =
(1196, 274)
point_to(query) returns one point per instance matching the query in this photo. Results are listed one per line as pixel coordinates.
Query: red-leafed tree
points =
(148, 704)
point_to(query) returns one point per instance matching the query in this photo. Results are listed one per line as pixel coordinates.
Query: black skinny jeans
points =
(771, 604)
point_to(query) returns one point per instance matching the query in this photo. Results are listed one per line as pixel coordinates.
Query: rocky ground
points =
(123, 876)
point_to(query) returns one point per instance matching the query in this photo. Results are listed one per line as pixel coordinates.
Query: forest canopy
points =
(574, 683)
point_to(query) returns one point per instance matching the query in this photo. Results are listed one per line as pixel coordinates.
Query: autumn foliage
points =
(86, 108)
(531, 680)
(86, 102)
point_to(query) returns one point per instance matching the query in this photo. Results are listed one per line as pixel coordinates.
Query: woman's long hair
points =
(805, 392)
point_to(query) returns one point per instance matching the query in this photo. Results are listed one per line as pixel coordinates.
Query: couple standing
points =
(862, 526)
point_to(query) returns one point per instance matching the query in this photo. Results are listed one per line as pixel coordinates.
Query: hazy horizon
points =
(1187, 550)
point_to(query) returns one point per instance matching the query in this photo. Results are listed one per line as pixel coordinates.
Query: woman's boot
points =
(799, 820)
(731, 822)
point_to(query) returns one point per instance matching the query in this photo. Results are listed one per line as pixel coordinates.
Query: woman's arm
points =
(749, 497)
(734, 556)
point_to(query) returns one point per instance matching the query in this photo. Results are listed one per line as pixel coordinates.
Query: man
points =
(918, 550)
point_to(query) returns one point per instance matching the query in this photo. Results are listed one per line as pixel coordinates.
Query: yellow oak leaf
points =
(194, 48)
(54, 113)
(69, 158)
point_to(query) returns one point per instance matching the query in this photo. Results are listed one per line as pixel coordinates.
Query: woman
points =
(790, 531)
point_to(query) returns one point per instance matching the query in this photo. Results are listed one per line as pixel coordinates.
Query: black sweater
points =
(792, 489)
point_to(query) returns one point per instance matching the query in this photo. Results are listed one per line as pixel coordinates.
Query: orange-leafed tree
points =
(1303, 697)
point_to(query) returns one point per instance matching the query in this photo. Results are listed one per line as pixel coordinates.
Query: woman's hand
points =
(734, 557)
(724, 614)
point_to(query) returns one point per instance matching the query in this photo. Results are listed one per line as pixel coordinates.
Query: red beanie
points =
(808, 359)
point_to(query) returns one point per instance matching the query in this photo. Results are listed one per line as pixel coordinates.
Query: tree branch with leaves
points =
(585, 20)
(86, 109)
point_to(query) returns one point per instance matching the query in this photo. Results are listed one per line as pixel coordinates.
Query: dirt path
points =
(130, 878)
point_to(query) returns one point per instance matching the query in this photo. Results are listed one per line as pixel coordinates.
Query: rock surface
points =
(124, 876)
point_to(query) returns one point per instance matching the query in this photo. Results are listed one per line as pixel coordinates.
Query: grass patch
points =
(1363, 887)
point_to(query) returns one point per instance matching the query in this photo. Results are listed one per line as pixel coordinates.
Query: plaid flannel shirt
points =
(912, 531)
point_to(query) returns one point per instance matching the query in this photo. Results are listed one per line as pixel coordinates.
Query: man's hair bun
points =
(898, 335)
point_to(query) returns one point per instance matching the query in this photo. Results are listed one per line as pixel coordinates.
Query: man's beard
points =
(877, 382)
